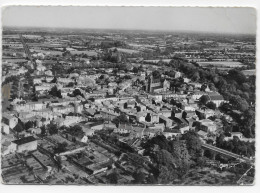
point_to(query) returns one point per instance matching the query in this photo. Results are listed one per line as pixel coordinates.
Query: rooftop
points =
(24, 140)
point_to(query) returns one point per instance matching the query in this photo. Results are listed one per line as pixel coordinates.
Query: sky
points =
(218, 20)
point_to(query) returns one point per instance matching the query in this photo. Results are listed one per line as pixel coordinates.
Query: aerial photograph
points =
(128, 95)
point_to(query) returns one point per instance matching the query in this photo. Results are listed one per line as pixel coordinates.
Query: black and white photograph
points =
(106, 95)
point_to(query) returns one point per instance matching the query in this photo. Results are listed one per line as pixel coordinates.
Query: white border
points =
(131, 189)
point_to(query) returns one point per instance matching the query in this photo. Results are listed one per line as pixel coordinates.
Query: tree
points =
(203, 87)
(180, 151)
(237, 75)
(248, 124)
(211, 105)
(52, 128)
(220, 141)
(151, 179)
(75, 131)
(113, 177)
(71, 84)
(245, 87)
(239, 103)
(120, 119)
(166, 175)
(61, 147)
(77, 92)
(54, 80)
(55, 92)
(135, 70)
(165, 158)
(43, 130)
(195, 76)
(156, 74)
(204, 99)
(139, 177)
(193, 143)
(28, 125)
(18, 128)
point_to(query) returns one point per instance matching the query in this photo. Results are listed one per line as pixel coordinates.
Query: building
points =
(207, 125)
(9, 120)
(205, 113)
(123, 129)
(171, 133)
(156, 85)
(24, 144)
(216, 98)
(5, 128)
(166, 121)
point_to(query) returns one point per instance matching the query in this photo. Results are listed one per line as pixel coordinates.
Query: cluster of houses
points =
(150, 105)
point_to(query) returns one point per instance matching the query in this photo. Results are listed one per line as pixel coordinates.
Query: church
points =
(156, 85)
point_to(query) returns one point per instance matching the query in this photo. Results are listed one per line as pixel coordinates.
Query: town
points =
(127, 107)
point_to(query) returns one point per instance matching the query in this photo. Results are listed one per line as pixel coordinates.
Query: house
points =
(123, 129)
(68, 121)
(195, 84)
(23, 144)
(202, 134)
(64, 81)
(108, 115)
(184, 128)
(130, 104)
(35, 131)
(87, 133)
(95, 126)
(166, 121)
(37, 81)
(188, 114)
(197, 94)
(186, 80)
(63, 109)
(171, 133)
(239, 135)
(5, 128)
(177, 74)
(177, 113)
(205, 113)
(43, 88)
(151, 132)
(188, 107)
(166, 112)
(140, 116)
(48, 72)
(191, 122)
(40, 68)
(9, 120)
(207, 125)
(216, 98)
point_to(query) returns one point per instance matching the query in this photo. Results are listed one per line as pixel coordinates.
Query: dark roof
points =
(157, 87)
(95, 124)
(216, 97)
(24, 140)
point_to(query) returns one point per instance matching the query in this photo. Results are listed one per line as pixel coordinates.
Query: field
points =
(225, 64)
(127, 51)
(249, 72)
(156, 61)
(88, 52)
(50, 52)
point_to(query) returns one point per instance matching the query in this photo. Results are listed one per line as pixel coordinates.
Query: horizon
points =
(197, 20)
(118, 29)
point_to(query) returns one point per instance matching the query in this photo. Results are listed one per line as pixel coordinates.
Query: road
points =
(27, 50)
